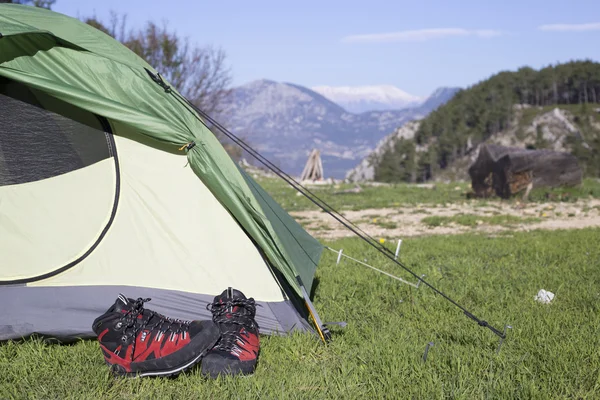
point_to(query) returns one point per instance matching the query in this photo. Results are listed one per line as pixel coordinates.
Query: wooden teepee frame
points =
(313, 170)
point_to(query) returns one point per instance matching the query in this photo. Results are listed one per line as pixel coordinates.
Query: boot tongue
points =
(230, 293)
(235, 294)
(122, 304)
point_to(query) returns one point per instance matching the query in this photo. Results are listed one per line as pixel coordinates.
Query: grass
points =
(589, 188)
(377, 220)
(386, 224)
(551, 352)
(321, 227)
(398, 195)
(474, 220)
(392, 196)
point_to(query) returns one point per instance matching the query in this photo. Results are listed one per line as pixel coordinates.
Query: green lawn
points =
(405, 194)
(552, 351)
(370, 196)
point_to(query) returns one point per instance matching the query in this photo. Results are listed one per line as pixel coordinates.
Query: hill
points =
(365, 170)
(555, 107)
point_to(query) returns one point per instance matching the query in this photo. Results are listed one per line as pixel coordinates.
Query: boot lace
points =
(229, 320)
(160, 323)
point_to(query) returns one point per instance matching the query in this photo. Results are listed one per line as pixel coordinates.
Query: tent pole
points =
(322, 330)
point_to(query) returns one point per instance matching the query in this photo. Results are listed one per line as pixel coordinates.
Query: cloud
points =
(595, 26)
(419, 35)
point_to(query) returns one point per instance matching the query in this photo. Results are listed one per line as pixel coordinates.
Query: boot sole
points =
(239, 374)
(119, 371)
(243, 371)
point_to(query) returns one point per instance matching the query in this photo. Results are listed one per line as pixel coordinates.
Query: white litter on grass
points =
(544, 296)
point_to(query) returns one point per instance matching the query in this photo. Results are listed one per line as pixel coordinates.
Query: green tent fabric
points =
(298, 244)
(79, 65)
(16, 19)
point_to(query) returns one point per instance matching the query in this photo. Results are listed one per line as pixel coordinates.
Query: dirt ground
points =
(407, 221)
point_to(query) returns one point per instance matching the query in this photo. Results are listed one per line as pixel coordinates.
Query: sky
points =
(417, 46)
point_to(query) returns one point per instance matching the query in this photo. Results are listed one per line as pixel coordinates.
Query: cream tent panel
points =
(170, 232)
(46, 224)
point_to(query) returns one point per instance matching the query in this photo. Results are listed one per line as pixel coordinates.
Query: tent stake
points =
(420, 280)
(339, 257)
(430, 344)
(502, 338)
(398, 249)
(341, 324)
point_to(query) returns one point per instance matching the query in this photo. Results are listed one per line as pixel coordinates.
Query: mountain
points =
(285, 122)
(358, 99)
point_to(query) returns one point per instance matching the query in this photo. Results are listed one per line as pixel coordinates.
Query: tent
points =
(508, 170)
(110, 182)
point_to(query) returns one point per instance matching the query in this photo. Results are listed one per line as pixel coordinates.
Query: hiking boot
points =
(237, 351)
(140, 342)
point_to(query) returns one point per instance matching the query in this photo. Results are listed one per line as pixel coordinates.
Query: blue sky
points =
(416, 46)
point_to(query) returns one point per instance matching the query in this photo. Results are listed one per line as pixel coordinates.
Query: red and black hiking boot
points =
(237, 351)
(140, 342)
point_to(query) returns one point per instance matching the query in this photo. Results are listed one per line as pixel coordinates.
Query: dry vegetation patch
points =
(428, 219)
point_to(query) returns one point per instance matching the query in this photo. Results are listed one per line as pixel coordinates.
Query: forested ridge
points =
(476, 113)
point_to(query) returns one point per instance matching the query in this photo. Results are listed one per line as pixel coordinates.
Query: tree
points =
(36, 3)
(198, 73)
(398, 163)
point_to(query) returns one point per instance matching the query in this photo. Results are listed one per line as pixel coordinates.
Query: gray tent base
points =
(67, 313)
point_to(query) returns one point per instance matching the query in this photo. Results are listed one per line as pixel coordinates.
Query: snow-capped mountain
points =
(285, 122)
(359, 99)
